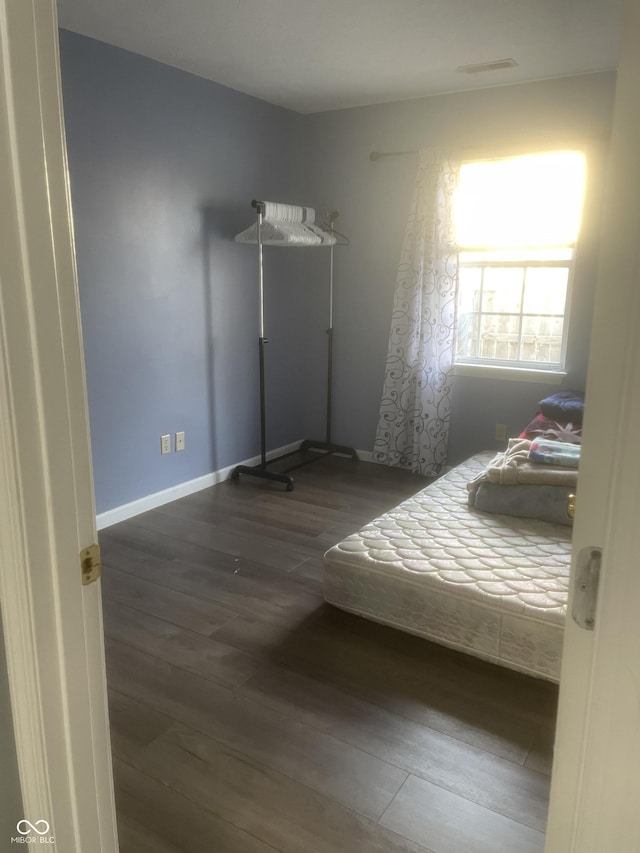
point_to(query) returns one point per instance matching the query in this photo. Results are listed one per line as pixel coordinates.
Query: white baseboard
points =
(129, 510)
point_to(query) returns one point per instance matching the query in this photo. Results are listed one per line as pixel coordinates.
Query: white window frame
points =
(519, 370)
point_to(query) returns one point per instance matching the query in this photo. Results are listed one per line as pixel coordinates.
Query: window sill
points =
(517, 374)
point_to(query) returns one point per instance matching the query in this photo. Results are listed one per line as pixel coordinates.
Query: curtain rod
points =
(377, 155)
(488, 151)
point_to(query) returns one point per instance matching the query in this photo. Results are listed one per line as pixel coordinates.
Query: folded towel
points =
(547, 452)
(547, 503)
(513, 467)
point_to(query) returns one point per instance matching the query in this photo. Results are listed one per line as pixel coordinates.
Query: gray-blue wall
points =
(163, 167)
(374, 199)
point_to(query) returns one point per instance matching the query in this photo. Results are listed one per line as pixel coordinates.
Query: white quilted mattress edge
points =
(493, 586)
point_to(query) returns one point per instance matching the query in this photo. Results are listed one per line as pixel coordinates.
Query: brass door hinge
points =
(90, 564)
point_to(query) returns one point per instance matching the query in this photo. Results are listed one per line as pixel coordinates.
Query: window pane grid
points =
(518, 252)
(518, 314)
(517, 223)
(492, 334)
(478, 323)
(521, 323)
(529, 264)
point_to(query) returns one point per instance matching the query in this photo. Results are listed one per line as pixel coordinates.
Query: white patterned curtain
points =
(413, 427)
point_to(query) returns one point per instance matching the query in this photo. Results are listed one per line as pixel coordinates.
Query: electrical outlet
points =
(165, 444)
(179, 441)
(501, 432)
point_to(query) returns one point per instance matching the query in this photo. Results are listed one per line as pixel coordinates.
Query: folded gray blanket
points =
(548, 503)
(513, 467)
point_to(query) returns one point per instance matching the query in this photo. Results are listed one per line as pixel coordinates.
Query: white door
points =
(595, 794)
(52, 622)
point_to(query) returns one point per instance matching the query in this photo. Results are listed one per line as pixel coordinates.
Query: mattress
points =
(494, 586)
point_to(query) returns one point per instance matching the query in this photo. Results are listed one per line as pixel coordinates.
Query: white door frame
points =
(52, 623)
(595, 793)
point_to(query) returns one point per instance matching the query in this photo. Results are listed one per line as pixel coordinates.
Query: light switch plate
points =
(179, 441)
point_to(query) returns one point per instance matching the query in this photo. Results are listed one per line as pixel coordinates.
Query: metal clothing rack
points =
(325, 447)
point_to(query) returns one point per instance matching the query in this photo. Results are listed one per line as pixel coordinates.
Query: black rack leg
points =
(263, 404)
(261, 470)
(263, 473)
(327, 446)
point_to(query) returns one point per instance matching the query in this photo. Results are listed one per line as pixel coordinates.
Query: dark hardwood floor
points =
(248, 716)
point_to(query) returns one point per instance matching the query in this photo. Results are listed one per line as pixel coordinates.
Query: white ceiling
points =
(314, 55)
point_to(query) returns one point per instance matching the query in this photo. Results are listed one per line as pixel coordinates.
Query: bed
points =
(494, 586)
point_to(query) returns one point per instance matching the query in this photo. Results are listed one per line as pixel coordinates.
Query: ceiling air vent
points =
(495, 65)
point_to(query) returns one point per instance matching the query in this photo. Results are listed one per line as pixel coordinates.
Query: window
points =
(517, 222)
